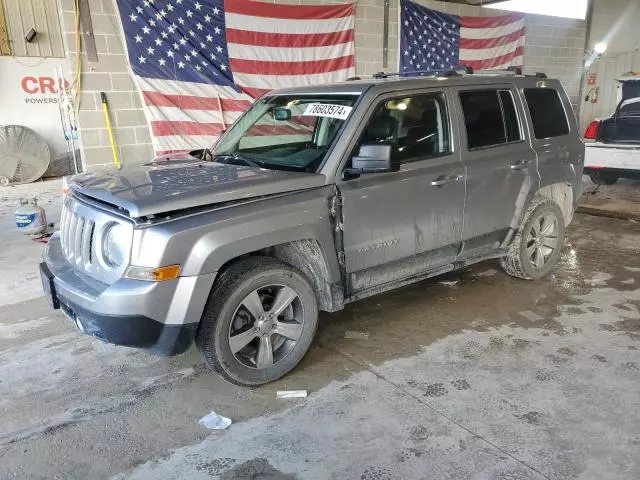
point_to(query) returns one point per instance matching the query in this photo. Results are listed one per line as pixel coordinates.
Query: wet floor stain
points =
(256, 469)
(532, 418)
(461, 384)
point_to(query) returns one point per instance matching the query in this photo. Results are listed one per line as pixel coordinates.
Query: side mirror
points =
(281, 114)
(374, 158)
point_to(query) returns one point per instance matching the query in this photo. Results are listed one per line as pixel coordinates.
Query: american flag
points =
(432, 40)
(200, 63)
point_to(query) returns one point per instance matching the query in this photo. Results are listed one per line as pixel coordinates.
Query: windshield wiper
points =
(235, 156)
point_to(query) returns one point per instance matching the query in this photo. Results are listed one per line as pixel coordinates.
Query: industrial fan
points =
(24, 155)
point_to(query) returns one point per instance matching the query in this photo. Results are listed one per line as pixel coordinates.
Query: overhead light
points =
(600, 48)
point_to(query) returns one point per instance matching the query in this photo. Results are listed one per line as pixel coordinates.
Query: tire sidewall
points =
(547, 206)
(272, 275)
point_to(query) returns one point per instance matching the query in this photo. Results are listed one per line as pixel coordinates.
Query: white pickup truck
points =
(613, 145)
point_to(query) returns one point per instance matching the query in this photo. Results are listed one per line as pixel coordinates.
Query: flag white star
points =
(146, 30)
(194, 52)
(152, 23)
(180, 64)
(181, 21)
(204, 62)
(163, 13)
(209, 38)
(189, 14)
(138, 39)
(164, 35)
(170, 53)
(176, 46)
(198, 67)
(178, 2)
(187, 57)
(158, 42)
(219, 49)
(217, 30)
(184, 40)
(192, 33)
(198, 6)
(199, 26)
(213, 56)
(223, 67)
(172, 28)
(216, 10)
(158, 16)
(141, 59)
(170, 7)
(133, 17)
(139, 9)
(207, 18)
(162, 61)
(150, 50)
(203, 45)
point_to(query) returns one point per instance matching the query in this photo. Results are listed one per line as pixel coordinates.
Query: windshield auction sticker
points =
(328, 110)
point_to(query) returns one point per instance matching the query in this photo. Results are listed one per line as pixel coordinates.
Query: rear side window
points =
(547, 113)
(490, 118)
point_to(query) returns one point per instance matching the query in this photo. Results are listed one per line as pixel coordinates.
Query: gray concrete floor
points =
(492, 378)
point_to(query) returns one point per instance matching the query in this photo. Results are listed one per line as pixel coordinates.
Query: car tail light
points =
(591, 133)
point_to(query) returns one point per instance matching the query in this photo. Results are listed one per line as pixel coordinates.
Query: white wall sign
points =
(28, 96)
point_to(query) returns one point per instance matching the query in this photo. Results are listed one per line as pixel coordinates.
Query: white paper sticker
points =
(328, 110)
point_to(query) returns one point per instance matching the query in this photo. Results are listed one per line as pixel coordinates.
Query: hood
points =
(185, 182)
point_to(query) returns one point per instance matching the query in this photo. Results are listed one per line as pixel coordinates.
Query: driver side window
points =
(417, 127)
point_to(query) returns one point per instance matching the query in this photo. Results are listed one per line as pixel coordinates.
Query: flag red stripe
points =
(189, 102)
(255, 92)
(480, 43)
(167, 128)
(489, 22)
(163, 128)
(260, 67)
(172, 152)
(493, 62)
(292, 12)
(289, 40)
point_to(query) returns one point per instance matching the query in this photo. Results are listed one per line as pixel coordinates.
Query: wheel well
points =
(562, 194)
(307, 256)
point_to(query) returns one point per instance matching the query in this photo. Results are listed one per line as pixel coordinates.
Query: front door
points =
(501, 165)
(405, 223)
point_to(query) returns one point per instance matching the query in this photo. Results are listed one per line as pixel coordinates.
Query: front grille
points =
(76, 236)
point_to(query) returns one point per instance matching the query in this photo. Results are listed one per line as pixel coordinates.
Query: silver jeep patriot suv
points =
(314, 198)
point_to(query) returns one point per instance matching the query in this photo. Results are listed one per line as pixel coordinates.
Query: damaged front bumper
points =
(159, 316)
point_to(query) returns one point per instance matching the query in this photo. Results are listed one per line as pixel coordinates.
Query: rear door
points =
(500, 164)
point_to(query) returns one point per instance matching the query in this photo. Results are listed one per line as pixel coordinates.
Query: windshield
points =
(285, 132)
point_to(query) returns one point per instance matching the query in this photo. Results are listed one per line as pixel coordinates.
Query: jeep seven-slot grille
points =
(76, 236)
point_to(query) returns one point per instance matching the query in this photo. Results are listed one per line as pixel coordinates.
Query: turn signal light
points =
(159, 274)
(591, 133)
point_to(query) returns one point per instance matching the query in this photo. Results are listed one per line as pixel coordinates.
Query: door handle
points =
(443, 180)
(520, 165)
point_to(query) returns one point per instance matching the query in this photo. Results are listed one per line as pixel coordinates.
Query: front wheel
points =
(259, 321)
(538, 242)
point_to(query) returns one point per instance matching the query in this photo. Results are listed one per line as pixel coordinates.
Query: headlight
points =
(115, 244)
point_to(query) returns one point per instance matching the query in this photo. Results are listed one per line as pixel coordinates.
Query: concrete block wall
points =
(110, 75)
(554, 46)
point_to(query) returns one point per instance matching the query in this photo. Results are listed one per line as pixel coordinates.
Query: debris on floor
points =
(353, 335)
(448, 284)
(213, 421)
(529, 315)
(291, 394)
(487, 273)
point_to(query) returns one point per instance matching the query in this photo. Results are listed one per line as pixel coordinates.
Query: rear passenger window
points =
(483, 118)
(547, 113)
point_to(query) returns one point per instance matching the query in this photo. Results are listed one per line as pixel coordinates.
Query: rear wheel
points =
(603, 178)
(259, 321)
(538, 242)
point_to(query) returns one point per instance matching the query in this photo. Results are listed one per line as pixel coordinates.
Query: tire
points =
(228, 321)
(518, 262)
(603, 178)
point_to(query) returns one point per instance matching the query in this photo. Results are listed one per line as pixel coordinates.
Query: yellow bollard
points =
(107, 119)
